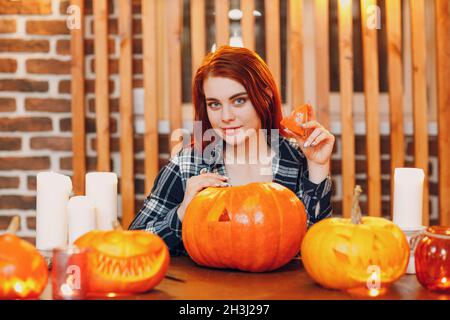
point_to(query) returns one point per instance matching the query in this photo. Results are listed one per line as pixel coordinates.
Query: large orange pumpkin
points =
(124, 262)
(340, 253)
(23, 271)
(257, 227)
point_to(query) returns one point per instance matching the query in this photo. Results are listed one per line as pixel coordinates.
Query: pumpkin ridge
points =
(276, 257)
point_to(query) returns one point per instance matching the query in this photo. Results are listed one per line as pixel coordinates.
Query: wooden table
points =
(288, 283)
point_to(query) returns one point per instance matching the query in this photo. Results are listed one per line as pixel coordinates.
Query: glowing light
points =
(18, 287)
(111, 295)
(444, 280)
(66, 290)
(374, 292)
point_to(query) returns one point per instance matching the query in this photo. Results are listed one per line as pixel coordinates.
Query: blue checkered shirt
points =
(289, 168)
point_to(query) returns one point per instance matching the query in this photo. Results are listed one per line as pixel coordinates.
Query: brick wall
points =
(35, 118)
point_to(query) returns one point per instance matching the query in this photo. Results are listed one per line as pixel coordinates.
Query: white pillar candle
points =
(82, 217)
(408, 197)
(52, 195)
(101, 189)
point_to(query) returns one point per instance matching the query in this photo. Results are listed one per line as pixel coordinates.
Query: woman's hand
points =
(196, 184)
(318, 146)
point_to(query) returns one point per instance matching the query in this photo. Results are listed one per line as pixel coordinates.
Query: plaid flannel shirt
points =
(289, 168)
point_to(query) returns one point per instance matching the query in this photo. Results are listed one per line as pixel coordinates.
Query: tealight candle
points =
(69, 273)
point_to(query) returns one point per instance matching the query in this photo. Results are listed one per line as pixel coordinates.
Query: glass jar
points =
(432, 259)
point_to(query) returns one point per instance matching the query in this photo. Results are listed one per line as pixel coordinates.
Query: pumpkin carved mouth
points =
(134, 268)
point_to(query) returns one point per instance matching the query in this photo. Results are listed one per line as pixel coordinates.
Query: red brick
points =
(7, 104)
(65, 163)
(26, 7)
(138, 83)
(10, 143)
(47, 105)
(23, 85)
(63, 47)
(336, 166)
(31, 183)
(66, 125)
(51, 143)
(7, 26)
(17, 202)
(48, 66)
(9, 182)
(31, 223)
(24, 163)
(64, 86)
(47, 27)
(8, 65)
(19, 45)
(4, 222)
(25, 124)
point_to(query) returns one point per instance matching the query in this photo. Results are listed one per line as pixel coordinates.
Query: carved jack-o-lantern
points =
(23, 271)
(124, 261)
(257, 227)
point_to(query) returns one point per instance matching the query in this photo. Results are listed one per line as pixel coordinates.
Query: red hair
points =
(247, 68)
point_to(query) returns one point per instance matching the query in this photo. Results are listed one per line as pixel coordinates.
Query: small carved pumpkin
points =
(23, 271)
(124, 262)
(257, 227)
(348, 254)
(301, 114)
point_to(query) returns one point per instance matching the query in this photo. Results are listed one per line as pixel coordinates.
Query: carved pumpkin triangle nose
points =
(224, 217)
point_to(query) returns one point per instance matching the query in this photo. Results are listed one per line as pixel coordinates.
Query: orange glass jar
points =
(432, 259)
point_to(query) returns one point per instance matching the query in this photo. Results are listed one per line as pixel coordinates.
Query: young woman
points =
(236, 102)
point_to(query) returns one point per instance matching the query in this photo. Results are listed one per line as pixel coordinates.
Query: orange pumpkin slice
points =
(301, 114)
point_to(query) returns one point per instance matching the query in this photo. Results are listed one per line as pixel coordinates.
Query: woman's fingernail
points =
(306, 144)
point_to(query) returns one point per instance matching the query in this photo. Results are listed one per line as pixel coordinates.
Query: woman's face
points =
(230, 111)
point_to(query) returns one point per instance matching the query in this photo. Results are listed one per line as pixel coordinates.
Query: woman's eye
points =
(239, 101)
(214, 105)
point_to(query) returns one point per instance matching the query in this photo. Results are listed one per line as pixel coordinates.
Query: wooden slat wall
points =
(395, 78)
(151, 113)
(248, 23)
(321, 35)
(371, 93)
(295, 45)
(174, 19)
(198, 33)
(442, 10)
(172, 68)
(346, 103)
(126, 112)
(78, 103)
(273, 45)
(420, 103)
(101, 84)
(222, 23)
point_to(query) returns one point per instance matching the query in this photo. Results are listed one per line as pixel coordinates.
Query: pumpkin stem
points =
(356, 209)
(13, 225)
(117, 226)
